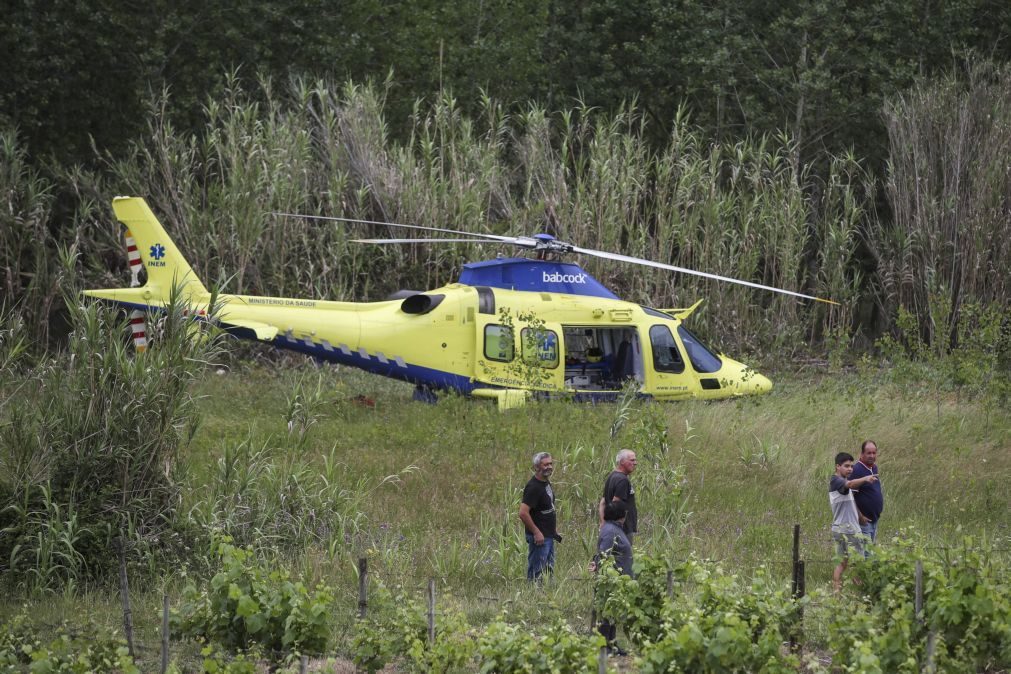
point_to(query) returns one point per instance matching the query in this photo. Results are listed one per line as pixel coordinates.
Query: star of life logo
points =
(157, 253)
(558, 277)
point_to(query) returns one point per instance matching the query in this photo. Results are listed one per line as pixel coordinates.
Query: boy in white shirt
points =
(845, 522)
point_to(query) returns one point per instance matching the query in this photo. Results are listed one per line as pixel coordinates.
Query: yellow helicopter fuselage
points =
(478, 340)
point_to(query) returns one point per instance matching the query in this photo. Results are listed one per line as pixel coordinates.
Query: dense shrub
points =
(397, 629)
(965, 624)
(713, 622)
(249, 604)
(80, 650)
(88, 443)
(506, 647)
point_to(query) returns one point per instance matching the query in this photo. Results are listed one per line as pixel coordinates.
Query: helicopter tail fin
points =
(150, 248)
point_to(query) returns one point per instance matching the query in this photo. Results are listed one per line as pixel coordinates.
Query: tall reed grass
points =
(27, 249)
(949, 184)
(740, 209)
(88, 444)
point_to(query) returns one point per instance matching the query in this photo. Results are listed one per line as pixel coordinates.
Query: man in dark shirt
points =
(618, 487)
(537, 512)
(870, 499)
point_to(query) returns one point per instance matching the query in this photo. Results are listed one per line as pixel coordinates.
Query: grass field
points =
(287, 460)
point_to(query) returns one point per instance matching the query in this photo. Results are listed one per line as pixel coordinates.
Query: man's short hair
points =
(622, 455)
(843, 457)
(540, 456)
(863, 445)
(614, 511)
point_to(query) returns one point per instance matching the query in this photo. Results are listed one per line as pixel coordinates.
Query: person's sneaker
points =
(616, 651)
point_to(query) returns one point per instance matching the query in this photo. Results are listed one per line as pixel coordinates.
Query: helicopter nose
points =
(760, 383)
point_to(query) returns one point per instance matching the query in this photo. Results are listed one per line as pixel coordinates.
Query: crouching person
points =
(614, 543)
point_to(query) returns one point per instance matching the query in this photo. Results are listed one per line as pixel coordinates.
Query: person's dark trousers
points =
(540, 558)
(608, 631)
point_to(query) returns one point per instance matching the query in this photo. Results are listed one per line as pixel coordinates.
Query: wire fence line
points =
(752, 562)
(797, 566)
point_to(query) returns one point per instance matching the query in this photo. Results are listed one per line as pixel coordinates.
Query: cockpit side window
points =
(702, 359)
(666, 355)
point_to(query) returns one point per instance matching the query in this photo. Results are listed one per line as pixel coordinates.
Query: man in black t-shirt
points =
(537, 512)
(618, 487)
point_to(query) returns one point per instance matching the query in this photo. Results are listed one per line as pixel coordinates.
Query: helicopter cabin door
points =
(518, 354)
(668, 377)
(602, 357)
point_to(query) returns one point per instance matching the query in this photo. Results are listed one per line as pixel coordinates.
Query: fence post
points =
(670, 584)
(431, 611)
(124, 593)
(795, 587)
(800, 589)
(363, 586)
(303, 666)
(801, 581)
(164, 633)
(602, 660)
(931, 667)
(919, 591)
(796, 557)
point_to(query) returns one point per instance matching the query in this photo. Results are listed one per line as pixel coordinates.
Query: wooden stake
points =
(796, 557)
(801, 591)
(931, 666)
(164, 633)
(363, 586)
(303, 667)
(124, 593)
(919, 591)
(801, 580)
(431, 611)
(602, 660)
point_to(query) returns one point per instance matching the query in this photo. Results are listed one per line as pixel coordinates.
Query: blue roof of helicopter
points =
(520, 273)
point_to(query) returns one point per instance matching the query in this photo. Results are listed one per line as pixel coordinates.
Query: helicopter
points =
(509, 329)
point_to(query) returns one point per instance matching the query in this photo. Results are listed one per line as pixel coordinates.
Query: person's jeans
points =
(540, 558)
(870, 530)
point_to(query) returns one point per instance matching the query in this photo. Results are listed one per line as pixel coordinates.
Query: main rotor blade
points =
(426, 241)
(491, 237)
(683, 270)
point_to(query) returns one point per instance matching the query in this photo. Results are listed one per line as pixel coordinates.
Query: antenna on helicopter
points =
(543, 245)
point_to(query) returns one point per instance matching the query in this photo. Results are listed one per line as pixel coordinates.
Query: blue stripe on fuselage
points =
(415, 374)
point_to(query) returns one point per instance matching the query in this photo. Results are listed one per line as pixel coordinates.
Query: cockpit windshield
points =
(702, 359)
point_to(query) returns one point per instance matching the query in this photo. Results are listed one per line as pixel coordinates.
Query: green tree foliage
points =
(820, 70)
(75, 71)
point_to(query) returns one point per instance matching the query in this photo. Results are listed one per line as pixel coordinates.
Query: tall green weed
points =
(89, 439)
